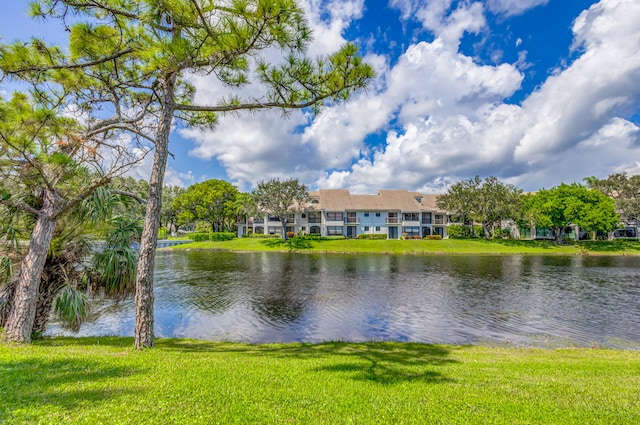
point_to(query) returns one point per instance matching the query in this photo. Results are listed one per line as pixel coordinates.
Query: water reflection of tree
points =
(282, 294)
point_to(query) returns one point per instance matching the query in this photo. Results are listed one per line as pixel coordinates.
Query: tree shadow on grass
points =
(36, 387)
(291, 244)
(518, 243)
(384, 363)
(615, 246)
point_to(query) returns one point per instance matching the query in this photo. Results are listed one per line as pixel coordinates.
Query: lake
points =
(541, 301)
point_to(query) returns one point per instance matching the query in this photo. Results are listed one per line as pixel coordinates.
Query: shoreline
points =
(419, 247)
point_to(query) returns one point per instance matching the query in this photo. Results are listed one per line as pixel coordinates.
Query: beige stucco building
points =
(392, 213)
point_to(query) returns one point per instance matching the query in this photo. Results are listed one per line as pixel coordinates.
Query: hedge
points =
(217, 236)
(372, 236)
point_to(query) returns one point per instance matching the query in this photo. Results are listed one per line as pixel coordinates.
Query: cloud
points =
(513, 7)
(449, 25)
(603, 83)
(454, 122)
(442, 117)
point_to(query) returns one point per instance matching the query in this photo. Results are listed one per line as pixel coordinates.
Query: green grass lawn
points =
(446, 246)
(105, 381)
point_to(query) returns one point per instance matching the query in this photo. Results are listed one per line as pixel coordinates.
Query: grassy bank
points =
(105, 381)
(447, 246)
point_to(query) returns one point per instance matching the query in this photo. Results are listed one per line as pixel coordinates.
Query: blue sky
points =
(535, 92)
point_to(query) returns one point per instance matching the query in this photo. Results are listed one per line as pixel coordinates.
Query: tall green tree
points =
(211, 201)
(625, 191)
(571, 204)
(281, 198)
(169, 212)
(48, 168)
(485, 201)
(135, 58)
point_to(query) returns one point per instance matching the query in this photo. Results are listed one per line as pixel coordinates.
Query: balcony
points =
(257, 221)
(314, 220)
(440, 221)
(352, 220)
(393, 220)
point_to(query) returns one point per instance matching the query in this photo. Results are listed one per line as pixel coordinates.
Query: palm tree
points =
(78, 264)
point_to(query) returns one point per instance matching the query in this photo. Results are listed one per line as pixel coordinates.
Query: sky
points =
(534, 92)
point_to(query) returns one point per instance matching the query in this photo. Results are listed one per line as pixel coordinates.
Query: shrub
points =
(461, 231)
(162, 233)
(291, 235)
(217, 236)
(372, 236)
(434, 237)
(199, 237)
(413, 237)
(335, 237)
(222, 236)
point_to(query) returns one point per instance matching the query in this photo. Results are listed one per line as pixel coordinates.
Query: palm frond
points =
(71, 307)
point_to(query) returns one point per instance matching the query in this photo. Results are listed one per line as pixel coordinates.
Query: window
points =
(366, 214)
(377, 228)
(304, 215)
(411, 230)
(378, 214)
(314, 230)
(411, 216)
(334, 230)
(334, 216)
(314, 217)
(366, 228)
(315, 201)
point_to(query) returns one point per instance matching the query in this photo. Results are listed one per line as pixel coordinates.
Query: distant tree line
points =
(599, 206)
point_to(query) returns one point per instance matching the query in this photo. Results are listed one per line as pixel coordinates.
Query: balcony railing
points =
(426, 221)
(440, 221)
(315, 220)
(352, 220)
(258, 221)
(393, 220)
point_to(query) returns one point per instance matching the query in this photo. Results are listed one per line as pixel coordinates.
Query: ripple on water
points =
(269, 297)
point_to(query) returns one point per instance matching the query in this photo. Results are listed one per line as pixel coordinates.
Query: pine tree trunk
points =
(6, 299)
(21, 317)
(144, 333)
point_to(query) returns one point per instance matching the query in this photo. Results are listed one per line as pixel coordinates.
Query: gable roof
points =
(384, 200)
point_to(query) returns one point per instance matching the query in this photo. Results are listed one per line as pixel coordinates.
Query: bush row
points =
(217, 236)
(372, 236)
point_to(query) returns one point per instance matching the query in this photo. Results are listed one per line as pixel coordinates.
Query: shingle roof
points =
(385, 200)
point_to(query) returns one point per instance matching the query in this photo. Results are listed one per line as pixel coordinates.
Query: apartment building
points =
(338, 212)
